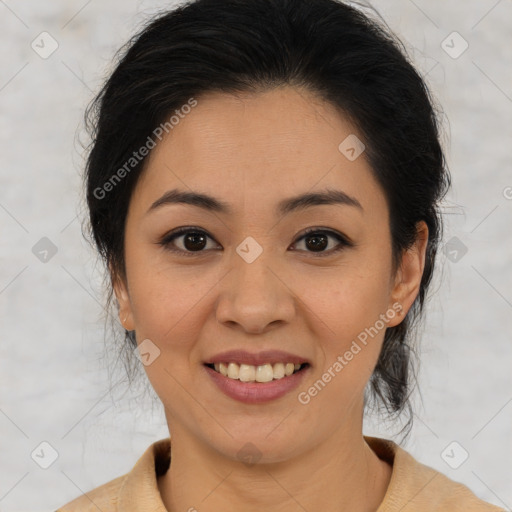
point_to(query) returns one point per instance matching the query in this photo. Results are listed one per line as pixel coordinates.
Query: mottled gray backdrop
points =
(54, 382)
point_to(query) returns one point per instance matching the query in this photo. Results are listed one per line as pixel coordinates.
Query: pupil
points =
(197, 241)
(316, 244)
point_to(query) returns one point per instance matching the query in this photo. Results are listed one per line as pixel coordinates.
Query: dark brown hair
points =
(326, 46)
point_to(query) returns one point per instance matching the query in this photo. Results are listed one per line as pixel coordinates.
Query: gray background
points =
(54, 382)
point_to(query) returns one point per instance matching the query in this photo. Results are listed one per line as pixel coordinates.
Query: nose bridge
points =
(253, 296)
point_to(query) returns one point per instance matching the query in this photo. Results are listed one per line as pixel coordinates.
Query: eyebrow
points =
(284, 207)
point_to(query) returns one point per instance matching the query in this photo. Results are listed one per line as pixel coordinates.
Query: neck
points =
(342, 473)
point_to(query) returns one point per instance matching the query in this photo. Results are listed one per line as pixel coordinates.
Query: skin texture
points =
(251, 151)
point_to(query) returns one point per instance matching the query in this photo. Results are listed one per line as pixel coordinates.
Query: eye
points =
(317, 240)
(194, 241)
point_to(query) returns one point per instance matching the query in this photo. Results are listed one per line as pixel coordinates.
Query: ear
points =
(409, 274)
(123, 299)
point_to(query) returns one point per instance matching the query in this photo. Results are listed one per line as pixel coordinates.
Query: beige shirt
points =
(413, 486)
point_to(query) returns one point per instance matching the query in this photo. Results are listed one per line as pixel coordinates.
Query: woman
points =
(263, 186)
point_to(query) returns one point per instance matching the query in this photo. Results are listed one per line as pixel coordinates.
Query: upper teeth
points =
(250, 373)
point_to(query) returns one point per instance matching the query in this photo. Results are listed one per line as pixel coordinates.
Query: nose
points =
(255, 297)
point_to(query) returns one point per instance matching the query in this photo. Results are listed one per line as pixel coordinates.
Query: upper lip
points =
(257, 358)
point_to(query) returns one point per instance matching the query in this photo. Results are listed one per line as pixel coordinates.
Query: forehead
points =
(256, 147)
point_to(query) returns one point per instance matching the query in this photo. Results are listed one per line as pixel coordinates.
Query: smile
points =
(261, 373)
(285, 378)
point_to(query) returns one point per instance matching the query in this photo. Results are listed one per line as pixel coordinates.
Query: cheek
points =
(169, 308)
(168, 301)
(161, 303)
(348, 349)
(352, 307)
(350, 299)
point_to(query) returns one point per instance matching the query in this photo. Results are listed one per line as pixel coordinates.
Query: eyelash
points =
(170, 237)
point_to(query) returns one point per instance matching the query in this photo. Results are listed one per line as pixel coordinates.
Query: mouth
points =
(263, 373)
(256, 384)
(256, 377)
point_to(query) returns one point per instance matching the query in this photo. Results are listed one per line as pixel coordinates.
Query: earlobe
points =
(123, 299)
(410, 273)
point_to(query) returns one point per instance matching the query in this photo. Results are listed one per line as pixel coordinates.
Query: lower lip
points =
(256, 392)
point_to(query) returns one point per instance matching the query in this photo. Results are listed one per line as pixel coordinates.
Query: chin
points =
(256, 446)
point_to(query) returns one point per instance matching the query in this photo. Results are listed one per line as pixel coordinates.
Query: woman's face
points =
(249, 281)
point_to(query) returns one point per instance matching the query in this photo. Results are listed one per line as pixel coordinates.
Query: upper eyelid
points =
(172, 235)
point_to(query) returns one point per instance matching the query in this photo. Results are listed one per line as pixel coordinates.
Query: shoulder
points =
(135, 490)
(104, 498)
(417, 487)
